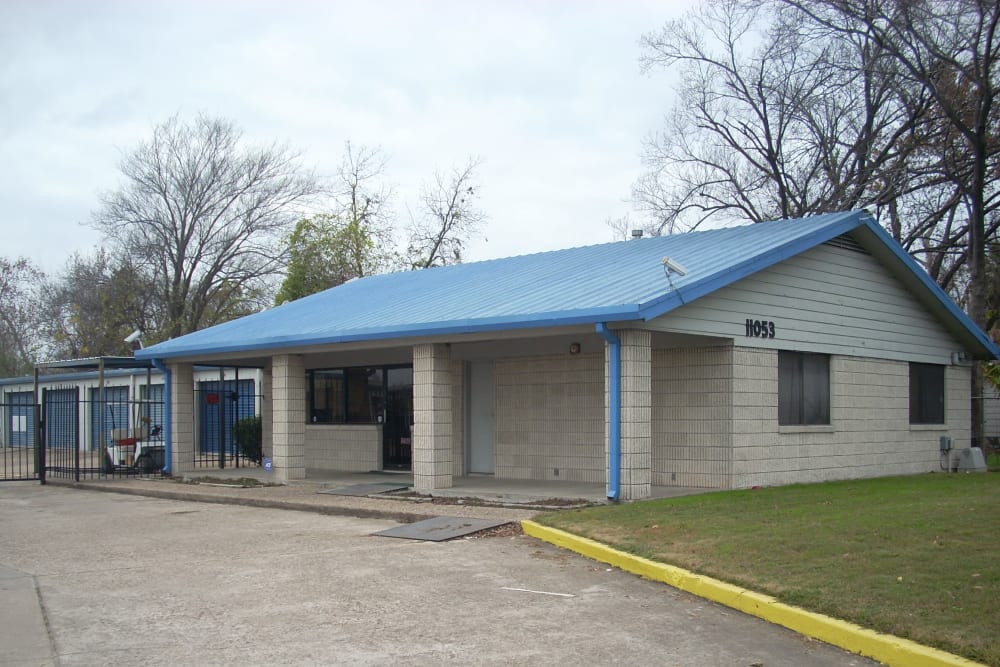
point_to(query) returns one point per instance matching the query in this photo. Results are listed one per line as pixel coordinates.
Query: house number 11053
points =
(759, 328)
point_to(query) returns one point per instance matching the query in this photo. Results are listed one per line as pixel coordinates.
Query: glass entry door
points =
(397, 432)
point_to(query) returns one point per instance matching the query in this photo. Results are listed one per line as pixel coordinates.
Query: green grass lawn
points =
(917, 557)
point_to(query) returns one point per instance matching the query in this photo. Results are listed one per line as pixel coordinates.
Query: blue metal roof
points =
(612, 282)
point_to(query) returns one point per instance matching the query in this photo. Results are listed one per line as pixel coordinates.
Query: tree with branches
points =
(20, 295)
(355, 240)
(774, 120)
(95, 303)
(203, 215)
(450, 215)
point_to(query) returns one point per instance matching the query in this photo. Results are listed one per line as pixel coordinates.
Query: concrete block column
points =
(288, 417)
(181, 418)
(432, 417)
(636, 412)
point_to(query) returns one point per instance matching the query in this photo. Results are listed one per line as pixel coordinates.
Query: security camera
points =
(673, 266)
(134, 336)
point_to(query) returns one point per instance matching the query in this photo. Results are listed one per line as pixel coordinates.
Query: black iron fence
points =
(81, 433)
(92, 433)
(19, 453)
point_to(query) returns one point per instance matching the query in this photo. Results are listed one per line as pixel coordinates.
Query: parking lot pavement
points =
(119, 580)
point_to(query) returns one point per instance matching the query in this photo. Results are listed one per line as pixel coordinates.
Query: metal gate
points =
(220, 406)
(20, 455)
(107, 436)
(61, 435)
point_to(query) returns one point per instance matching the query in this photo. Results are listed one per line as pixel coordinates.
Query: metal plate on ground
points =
(440, 528)
(366, 489)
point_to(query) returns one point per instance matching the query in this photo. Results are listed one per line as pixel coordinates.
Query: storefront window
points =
(327, 396)
(347, 395)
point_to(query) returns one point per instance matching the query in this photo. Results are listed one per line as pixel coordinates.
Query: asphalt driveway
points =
(93, 578)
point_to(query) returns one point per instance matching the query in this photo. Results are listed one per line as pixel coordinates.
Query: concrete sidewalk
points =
(476, 496)
(25, 633)
(306, 496)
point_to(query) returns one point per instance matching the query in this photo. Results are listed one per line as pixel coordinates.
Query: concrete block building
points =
(789, 351)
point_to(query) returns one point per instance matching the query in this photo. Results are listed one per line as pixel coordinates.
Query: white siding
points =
(828, 299)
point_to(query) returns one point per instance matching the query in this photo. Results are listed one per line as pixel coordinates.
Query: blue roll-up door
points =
(61, 422)
(114, 410)
(20, 418)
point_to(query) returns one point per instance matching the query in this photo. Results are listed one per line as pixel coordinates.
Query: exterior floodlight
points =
(133, 337)
(673, 266)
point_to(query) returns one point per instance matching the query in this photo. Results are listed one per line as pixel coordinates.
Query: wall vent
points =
(845, 242)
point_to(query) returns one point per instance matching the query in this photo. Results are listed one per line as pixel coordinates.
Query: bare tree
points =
(203, 215)
(355, 239)
(450, 216)
(20, 344)
(775, 119)
(364, 209)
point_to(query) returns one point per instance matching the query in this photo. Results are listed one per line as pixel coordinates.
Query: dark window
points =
(326, 396)
(926, 394)
(803, 388)
(365, 396)
(346, 395)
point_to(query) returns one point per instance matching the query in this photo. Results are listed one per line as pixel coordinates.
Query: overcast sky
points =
(549, 94)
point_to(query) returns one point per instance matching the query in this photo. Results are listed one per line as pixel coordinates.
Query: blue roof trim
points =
(542, 320)
(933, 287)
(734, 273)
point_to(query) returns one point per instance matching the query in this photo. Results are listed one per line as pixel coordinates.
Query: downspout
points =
(168, 416)
(614, 409)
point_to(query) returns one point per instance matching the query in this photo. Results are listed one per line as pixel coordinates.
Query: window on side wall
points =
(926, 394)
(803, 389)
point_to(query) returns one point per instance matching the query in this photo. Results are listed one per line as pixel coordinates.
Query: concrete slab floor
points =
(486, 487)
(146, 581)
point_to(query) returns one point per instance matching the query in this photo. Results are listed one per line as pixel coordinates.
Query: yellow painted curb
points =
(884, 648)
